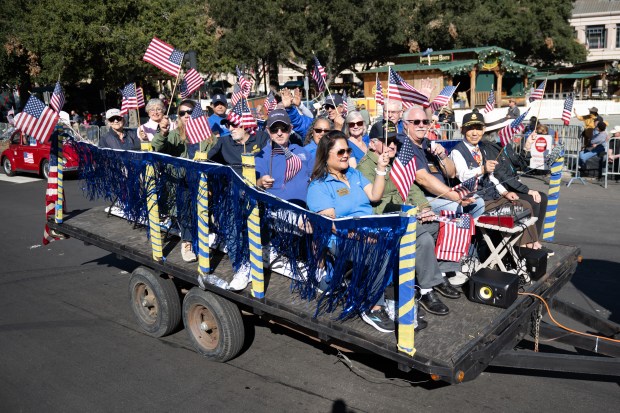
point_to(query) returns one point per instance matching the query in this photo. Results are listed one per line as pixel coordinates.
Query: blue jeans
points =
(476, 209)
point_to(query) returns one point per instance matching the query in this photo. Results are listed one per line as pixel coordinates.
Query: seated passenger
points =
(338, 191)
(428, 273)
(473, 157)
(118, 137)
(598, 145)
(156, 111)
(317, 130)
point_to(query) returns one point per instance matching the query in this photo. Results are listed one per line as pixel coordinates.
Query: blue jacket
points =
(301, 123)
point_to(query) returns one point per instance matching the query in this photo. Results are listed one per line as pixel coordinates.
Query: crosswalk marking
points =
(18, 179)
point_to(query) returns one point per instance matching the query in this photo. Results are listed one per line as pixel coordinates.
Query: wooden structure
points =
(478, 71)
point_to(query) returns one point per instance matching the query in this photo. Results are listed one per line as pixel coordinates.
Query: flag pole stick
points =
(328, 91)
(387, 104)
(174, 89)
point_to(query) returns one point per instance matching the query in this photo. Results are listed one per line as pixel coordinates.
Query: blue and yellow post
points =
(553, 199)
(204, 259)
(59, 179)
(406, 284)
(153, 208)
(256, 250)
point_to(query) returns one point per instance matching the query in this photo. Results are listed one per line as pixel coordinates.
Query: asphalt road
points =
(69, 343)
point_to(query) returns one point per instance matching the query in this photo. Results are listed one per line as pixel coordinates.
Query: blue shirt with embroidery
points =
(347, 201)
(294, 190)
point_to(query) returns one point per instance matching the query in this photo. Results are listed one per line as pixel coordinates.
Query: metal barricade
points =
(612, 168)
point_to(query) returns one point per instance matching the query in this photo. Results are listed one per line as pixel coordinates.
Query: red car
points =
(26, 154)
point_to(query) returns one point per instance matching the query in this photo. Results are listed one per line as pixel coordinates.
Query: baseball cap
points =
(334, 100)
(473, 118)
(278, 115)
(112, 112)
(219, 97)
(378, 130)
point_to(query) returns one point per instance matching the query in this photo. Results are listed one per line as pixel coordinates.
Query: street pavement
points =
(69, 343)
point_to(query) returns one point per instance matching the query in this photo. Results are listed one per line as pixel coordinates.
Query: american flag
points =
(402, 91)
(454, 236)
(270, 102)
(490, 105)
(244, 84)
(140, 97)
(507, 132)
(236, 95)
(293, 162)
(345, 105)
(164, 56)
(58, 98)
(443, 97)
(319, 75)
(567, 112)
(537, 94)
(197, 127)
(192, 81)
(403, 171)
(468, 186)
(241, 117)
(379, 93)
(36, 120)
(130, 100)
(28, 157)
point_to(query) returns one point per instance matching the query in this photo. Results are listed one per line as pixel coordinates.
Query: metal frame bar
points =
(567, 363)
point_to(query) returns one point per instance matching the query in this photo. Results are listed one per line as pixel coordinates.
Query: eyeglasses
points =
(354, 124)
(115, 119)
(185, 112)
(156, 110)
(393, 112)
(330, 107)
(279, 128)
(317, 130)
(418, 121)
(341, 152)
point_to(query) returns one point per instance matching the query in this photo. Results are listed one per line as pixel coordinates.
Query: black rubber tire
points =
(214, 325)
(155, 302)
(45, 168)
(7, 167)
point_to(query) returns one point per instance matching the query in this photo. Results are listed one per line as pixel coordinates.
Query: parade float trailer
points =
(164, 290)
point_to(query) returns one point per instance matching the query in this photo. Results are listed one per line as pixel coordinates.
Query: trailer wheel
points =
(214, 325)
(155, 302)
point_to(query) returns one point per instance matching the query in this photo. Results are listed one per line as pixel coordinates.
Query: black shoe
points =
(546, 250)
(447, 290)
(431, 303)
(422, 324)
(379, 319)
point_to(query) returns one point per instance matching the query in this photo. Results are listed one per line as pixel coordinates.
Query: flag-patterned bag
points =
(454, 236)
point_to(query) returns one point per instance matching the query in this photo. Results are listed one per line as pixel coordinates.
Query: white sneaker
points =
(241, 278)
(458, 280)
(186, 252)
(390, 309)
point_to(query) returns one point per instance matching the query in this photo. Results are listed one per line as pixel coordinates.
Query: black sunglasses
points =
(328, 107)
(418, 121)
(318, 130)
(341, 152)
(116, 119)
(279, 128)
(185, 112)
(354, 124)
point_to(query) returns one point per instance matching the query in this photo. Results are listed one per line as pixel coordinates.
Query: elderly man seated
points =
(118, 137)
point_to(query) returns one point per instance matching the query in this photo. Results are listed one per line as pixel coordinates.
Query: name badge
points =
(432, 168)
(342, 191)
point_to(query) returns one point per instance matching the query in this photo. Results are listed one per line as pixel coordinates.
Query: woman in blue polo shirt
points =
(338, 191)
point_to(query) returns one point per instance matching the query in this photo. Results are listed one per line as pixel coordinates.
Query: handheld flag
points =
(443, 97)
(319, 75)
(293, 162)
(36, 120)
(241, 117)
(140, 97)
(244, 84)
(197, 128)
(270, 102)
(57, 101)
(345, 105)
(130, 100)
(507, 133)
(490, 105)
(468, 186)
(567, 112)
(537, 94)
(379, 93)
(402, 91)
(192, 81)
(454, 236)
(403, 171)
(236, 95)
(164, 56)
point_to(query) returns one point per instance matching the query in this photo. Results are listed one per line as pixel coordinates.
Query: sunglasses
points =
(418, 121)
(279, 128)
(354, 124)
(341, 152)
(329, 107)
(115, 119)
(317, 130)
(185, 112)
